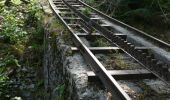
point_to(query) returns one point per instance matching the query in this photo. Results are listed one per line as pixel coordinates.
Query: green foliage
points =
(60, 89)
(2, 3)
(8, 60)
(90, 1)
(99, 42)
(33, 14)
(12, 26)
(16, 2)
(87, 11)
(4, 86)
(19, 34)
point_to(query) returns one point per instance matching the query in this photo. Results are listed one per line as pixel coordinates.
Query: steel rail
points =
(145, 60)
(130, 28)
(109, 82)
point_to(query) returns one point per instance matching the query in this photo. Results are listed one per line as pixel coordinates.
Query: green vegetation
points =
(56, 28)
(99, 42)
(151, 16)
(21, 43)
(60, 89)
(87, 12)
(120, 62)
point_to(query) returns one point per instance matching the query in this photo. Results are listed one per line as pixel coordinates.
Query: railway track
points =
(95, 24)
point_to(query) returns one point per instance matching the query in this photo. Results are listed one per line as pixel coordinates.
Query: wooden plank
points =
(104, 50)
(124, 75)
(92, 35)
(70, 18)
(96, 18)
(107, 50)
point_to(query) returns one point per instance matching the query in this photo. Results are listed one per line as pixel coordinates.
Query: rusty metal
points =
(108, 50)
(109, 82)
(130, 28)
(124, 75)
(126, 47)
(87, 25)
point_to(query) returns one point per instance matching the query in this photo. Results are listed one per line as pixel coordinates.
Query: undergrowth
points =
(21, 45)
